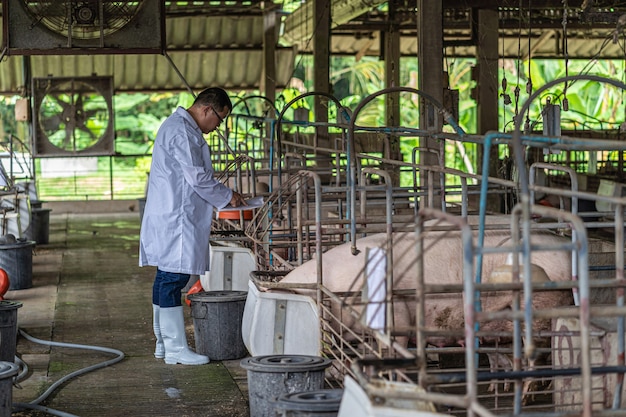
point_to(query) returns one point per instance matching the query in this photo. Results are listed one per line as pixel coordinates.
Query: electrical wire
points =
(35, 403)
(516, 91)
(529, 83)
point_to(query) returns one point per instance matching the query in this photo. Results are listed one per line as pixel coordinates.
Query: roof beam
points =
(494, 4)
(300, 25)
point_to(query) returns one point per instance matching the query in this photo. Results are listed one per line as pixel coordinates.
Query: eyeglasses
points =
(218, 115)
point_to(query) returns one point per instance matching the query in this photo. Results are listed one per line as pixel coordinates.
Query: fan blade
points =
(68, 140)
(89, 131)
(63, 104)
(75, 115)
(50, 123)
(89, 114)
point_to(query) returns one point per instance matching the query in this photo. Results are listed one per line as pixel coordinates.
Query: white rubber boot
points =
(172, 323)
(159, 350)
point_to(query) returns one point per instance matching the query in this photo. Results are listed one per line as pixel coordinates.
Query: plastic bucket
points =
(7, 371)
(217, 317)
(17, 260)
(271, 376)
(320, 403)
(8, 329)
(40, 225)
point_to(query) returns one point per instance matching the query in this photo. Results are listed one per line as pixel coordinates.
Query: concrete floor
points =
(88, 290)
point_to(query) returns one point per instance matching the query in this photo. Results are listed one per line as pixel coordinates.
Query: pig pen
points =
(365, 345)
(356, 324)
(365, 336)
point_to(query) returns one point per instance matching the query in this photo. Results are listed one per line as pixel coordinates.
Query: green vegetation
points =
(591, 106)
(123, 175)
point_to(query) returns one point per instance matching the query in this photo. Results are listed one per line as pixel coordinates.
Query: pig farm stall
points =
(468, 327)
(362, 327)
(376, 336)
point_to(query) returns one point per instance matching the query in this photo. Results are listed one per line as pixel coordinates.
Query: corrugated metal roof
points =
(591, 32)
(221, 51)
(220, 43)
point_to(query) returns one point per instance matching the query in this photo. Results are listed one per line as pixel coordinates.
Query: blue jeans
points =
(167, 287)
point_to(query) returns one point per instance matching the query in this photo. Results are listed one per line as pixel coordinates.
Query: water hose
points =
(35, 403)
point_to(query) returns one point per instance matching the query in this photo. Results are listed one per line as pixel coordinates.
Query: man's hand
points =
(237, 200)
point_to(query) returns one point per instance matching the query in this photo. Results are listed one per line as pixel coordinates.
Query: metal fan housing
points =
(73, 116)
(83, 27)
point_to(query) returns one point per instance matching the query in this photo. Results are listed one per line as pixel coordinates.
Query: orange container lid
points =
(235, 214)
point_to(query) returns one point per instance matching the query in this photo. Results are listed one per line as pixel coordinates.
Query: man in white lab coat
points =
(182, 193)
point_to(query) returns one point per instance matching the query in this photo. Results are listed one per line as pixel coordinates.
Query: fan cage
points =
(73, 119)
(83, 19)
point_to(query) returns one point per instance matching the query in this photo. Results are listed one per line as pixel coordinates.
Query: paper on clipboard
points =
(252, 203)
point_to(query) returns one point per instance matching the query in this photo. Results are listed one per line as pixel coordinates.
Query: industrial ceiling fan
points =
(85, 26)
(73, 116)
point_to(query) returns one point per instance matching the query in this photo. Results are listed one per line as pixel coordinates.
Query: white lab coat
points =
(182, 194)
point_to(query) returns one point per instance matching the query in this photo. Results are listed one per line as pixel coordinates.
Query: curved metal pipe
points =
(277, 131)
(526, 203)
(351, 146)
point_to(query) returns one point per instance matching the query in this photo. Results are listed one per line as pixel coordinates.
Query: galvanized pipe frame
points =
(471, 382)
(319, 287)
(351, 149)
(260, 231)
(385, 338)
(521, 316)
(264, 124)
(579, 239)
(464, 190)
(617, 201)
(281, 120)
(616, 311)
(317, 199)
(420, 315)
(552, 143)
(281, 201)
(357, 315)
(335, 335)
(303, 223)
(584, 289)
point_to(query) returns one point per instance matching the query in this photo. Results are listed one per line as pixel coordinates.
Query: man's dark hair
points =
(214, 96)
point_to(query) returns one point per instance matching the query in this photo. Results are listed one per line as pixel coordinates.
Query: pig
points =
(443, 264)
(501, 301)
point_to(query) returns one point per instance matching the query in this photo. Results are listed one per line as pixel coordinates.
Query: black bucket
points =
(7, 371)
(40, 225)
(271, 376)
(217, 317)
(8, 329)
(320, 403)
(17, 261)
